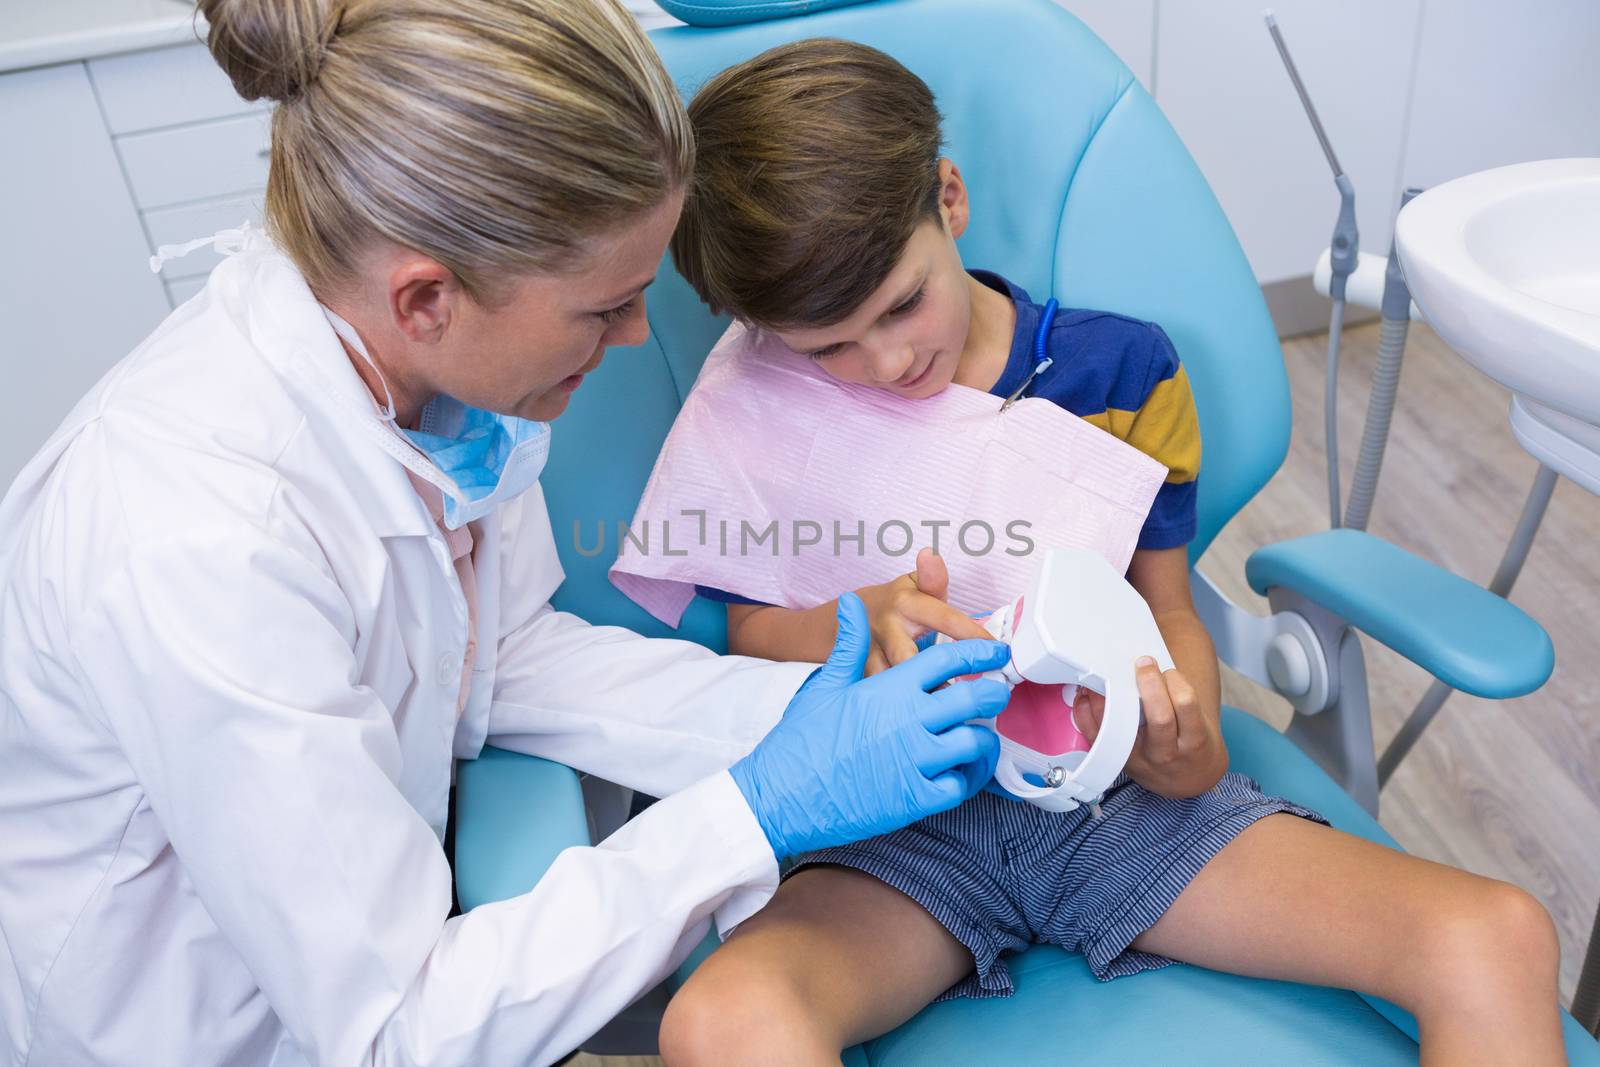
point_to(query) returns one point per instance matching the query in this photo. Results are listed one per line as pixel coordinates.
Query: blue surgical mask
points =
(491, 458)
(487, 458)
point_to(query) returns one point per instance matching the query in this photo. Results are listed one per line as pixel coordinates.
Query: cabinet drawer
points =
(196, 162)
(164, 87)
(179, 291)
(175, 225)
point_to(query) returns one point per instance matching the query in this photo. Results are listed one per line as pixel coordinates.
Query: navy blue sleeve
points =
(722, 597)
(1172, 521)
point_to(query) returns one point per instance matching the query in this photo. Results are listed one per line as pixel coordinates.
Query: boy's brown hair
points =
(815, 163)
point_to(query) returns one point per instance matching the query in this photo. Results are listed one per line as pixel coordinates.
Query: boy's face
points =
(908, 336)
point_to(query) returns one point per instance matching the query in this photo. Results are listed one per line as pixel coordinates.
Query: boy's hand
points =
(908, 607)
(1179, 751)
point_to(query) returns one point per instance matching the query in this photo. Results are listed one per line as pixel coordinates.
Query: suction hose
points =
(1385, 384)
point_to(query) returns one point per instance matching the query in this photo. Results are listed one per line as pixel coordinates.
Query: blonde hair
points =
(495, 136)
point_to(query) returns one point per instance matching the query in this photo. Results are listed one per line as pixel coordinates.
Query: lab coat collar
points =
(264, 294)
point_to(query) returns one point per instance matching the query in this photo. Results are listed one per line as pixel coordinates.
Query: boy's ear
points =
(953, 204)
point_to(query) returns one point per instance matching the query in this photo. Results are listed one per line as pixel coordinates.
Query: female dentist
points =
(289, 560)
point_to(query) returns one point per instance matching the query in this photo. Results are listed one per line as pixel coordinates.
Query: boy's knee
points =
(1496, 935)
(1508, 926)
(720, 1018)
(1526, 931)
(686, 1028)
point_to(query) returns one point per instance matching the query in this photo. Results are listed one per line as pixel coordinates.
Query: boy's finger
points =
(875, 662)
(1191, 720)
(1088, 715)
(1160, 720)
(897, 645)
(931, 575)
(931, 613)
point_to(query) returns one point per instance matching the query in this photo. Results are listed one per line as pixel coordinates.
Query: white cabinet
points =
(76, 294)
(195, 155)
(108, 160)
(184, 288)
(164, 87)
(104, 160)
(187, 163)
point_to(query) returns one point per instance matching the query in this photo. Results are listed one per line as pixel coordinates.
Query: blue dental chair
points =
(1079, 189)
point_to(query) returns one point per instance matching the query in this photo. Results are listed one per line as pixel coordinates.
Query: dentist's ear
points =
(422, 295)
(954, 208)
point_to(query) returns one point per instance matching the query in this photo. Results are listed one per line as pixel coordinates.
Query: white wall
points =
(1220, 81)
(649, 14)
(1412, 92)
(1502, 83)
(1128, 26)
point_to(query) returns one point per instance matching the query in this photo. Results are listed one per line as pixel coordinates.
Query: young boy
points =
(821, 211)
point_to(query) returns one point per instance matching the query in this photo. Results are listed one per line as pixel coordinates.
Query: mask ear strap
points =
(347, 333)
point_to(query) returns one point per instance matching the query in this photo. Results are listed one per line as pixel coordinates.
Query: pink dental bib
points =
(781, 484)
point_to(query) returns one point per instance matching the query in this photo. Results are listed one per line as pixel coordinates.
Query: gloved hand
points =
(854, 758)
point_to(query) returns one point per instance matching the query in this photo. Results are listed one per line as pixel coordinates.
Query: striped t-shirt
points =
(1121, 375)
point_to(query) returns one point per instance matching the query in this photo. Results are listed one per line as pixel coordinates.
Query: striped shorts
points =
(1002, 875)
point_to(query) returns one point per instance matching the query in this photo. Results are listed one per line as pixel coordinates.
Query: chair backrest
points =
(1080, 189)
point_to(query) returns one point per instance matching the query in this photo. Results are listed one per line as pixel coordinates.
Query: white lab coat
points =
(230, 641)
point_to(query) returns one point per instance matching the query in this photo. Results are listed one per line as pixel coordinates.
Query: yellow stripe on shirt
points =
(1166, 428)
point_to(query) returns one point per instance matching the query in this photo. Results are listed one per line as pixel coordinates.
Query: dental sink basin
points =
(1505, 264)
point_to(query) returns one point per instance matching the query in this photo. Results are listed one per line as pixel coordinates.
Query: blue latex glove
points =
(853, 758)
(927, 640)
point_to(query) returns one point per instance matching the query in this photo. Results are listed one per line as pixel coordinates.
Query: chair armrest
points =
(514, 815)
(1459, 632)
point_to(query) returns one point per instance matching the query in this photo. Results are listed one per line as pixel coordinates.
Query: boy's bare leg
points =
(837, 957)
(1473, 959)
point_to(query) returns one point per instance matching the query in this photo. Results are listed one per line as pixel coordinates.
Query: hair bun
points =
(270, 48)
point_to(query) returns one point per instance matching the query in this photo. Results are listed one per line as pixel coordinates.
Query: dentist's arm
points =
(276, 777)
(648, 713)
(652, 714)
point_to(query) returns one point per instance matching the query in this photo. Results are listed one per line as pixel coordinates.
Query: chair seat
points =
(1060, 1013)
(515, 813)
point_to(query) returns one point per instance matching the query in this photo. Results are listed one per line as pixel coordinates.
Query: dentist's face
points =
(527, 355)
(524, 351)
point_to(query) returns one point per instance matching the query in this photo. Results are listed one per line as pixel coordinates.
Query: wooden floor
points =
(1509, 789)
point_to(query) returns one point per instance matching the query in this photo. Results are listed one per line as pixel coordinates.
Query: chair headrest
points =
(739, 12)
